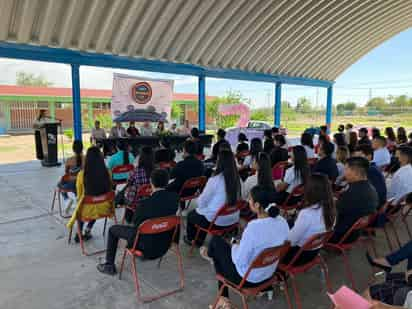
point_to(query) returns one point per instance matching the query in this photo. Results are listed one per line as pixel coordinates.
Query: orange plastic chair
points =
(266, 258)
(121, 169)
(314, 243)
(342, 247)
(167, 165)
(57, 195)
(278, 171)
(90, 200)
(225, 210)
(142, 192)
(194, 186)
(152, 227)
(200, 157)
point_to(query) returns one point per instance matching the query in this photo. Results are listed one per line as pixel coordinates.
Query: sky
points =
(385, 70)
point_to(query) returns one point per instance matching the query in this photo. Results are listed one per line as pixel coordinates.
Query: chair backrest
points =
(278, 170)
(316, 242)
(89, 200)
(267, 257)
(121, 169)
(359, 225)
(194, 186)
(394, 209)
(295, 198)
(107, 197)
(166, 165)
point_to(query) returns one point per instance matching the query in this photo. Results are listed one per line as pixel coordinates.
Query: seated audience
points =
(349, 129)
(295, 175)
(342, 154)
(390, 137)
(132, 131)
(160, 131)
(353, 142)
(323, 131)
(316, 216)
(267, 231)
(173, 129)
(188, 168)
(359, 200)
(280, 141)
(268, 143)
(161, 203)
(185, 129)
(146, 129)
(339, 139)
(375, 176)
(220, 139)
(321, 140)
(401, 183)
(278, 155)
(341, 128)
(222, 188)
(364, 137)
(375, 133)
(242, 143)
(93, 180)
(306, 141)
(381, 155)
(195, 138)
(164, 153)
(275, 131)
(402, 136)
(256, 147)
(97, 133)
(121, 157)
(118, 131)
(72, 167)
(326, 164)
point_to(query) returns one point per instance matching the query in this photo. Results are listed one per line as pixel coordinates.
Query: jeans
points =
(117, 232)
(89, 226)
(193, 218)
(404, 253)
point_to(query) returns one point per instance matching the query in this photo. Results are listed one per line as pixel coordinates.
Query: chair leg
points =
(244, 302)
(348, 269)
(70, 235)
(59, 199)
(160, 262)
(136, 279)
(180, 265)
(53, 202)
(194, 241)
(122, 264)
(388, 240)
(218, 296)
(296, 292)
(324, 268)
(396, 235)
(104, 226)
(79, 232)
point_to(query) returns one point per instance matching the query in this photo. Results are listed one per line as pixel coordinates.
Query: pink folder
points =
(345, 298)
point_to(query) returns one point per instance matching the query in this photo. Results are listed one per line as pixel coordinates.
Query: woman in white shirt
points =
(307, 142)
(294, 176)
(267, 231)
(342, 154)
(256, 147)
(222, 188)
(317, 216)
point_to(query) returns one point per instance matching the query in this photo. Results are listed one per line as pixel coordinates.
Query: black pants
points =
(305, 257)
(117, 232)
(193, 218)
(89, 225)
(221, 253)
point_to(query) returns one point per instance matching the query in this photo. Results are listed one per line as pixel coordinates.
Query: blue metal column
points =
(329, 106)
(278, 104)
(202, 104)
(77, 109)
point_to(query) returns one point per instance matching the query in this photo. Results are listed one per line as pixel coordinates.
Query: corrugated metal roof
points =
(315, 39)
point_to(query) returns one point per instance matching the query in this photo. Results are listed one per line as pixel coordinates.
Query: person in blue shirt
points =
(121, 157)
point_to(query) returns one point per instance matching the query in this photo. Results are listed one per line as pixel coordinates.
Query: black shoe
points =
(380, 266)
(187, 241)
(87, 235)
(107, 269)
(76, 238)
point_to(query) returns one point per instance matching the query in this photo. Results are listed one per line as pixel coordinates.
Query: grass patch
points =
(8, 148)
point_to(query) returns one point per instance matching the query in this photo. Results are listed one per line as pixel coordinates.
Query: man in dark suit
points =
(188, 168)
(359, 200)
(161, 203)
(326, 164)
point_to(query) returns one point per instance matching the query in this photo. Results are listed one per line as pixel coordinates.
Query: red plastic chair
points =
(225, 210)
(90, 200)
(121, 169)
(395, 212)
(200, 157)
(167, 165)
(342, 247)
(152, 227)
(142, 192)
(266, 258)
(294, 199)
(314, 243)
(57, 195)
(278, 171)
(195, 186)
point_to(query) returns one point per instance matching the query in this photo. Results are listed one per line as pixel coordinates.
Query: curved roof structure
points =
(316, 39)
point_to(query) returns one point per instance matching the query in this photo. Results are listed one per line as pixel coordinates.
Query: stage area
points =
(40, 270)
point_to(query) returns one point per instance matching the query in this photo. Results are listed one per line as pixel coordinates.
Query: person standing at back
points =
(132, 131)
(98, 133)
(188, 168)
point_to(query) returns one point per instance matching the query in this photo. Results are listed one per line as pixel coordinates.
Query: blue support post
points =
(202, 104)
(278, 104)
(77, 109)
(329, 106)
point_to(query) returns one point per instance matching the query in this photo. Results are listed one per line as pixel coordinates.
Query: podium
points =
(46, 143)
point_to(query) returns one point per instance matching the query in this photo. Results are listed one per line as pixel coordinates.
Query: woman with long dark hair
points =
(296, 175)
(390, 136)
(316, 216)
(256, 147)
(93, 180)
(222, 188)
(306, 141)
(121, 157)
(353, 141)
(402, 136)
(375, 133)
(267, 231)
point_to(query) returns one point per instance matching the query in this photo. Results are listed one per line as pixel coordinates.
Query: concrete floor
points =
(38, 269)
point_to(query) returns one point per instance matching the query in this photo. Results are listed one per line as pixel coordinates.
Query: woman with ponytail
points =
(316, 216)
(267, 231)
(121, 157)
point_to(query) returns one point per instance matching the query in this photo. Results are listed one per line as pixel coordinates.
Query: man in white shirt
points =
(146, 129)
(98, 133)
(118, 131)
(401, 183)
(381, 155)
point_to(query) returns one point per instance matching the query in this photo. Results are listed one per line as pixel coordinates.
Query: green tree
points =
(345, 107)
(29, 79)
(304, 105)
(212, 108)
(377, 103)
(176, 111)
(401, 101)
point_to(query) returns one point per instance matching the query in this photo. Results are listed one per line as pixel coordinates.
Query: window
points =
(43, 105)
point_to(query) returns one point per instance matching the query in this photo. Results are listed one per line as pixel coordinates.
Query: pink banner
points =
(240, 109)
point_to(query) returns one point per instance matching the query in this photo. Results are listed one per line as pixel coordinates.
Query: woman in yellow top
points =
(93, 180)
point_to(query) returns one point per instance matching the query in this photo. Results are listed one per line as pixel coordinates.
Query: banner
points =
(141, 99)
